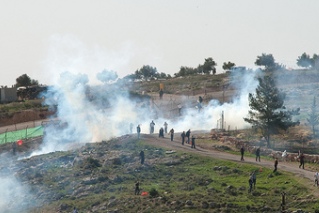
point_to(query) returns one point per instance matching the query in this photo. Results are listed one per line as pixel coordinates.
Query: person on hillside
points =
(193, 142)
(138, 130)
(316, 178)
(302, 161)
(142, 157)
(258, 154)
(152, 124)
(183, 137)
(171, 132)
(254, 179)
(165, 127)
(250, 182)
(137, 188)
(242, 152)
(188, 134)
(275, 165)
(161, 133)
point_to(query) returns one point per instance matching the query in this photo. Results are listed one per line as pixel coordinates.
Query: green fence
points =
(12, 136)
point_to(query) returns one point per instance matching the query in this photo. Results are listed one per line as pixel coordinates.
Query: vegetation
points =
(25, 80)
(268, 112)
(307, 62)
(175, 182)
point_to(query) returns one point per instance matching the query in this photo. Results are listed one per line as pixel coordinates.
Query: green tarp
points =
(21, 134)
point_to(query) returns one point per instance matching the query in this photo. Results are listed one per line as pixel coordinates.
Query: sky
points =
(45, 38)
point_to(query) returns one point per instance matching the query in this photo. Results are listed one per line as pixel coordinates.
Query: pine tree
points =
(313, 119)
(268, 112)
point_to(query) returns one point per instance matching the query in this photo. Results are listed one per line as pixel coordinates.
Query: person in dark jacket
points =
(161, 133)
(137, 188)
(193, 142)
(302, 161)
(275, 165)
(171, 132)
(183, 137)
(258, 154)
(242, 152)
(188, 134)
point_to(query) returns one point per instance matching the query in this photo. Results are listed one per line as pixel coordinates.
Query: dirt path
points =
(292, 167)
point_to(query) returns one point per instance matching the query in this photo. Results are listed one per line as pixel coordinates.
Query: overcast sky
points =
(43, 38)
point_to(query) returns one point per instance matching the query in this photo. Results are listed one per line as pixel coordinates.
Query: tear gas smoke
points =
(95, 113)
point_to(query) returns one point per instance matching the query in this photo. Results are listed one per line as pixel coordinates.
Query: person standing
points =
(142, 156)
(258, 154)
(183, 137)
(242, 152)
(193, 142)
(137, 188)
(138, 130)
(302, 161)
(165, 127)
(188, 134)
(276, 164)
(171, 132)
(152, 124)
(161, 133)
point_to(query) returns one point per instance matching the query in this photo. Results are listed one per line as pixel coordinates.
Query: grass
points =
(185, 182)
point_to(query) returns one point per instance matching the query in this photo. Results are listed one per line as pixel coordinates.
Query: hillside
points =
(100, 177)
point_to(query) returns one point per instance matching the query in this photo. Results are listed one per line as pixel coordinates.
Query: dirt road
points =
(292, 167)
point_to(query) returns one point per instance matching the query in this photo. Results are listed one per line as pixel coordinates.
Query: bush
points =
(154, 192)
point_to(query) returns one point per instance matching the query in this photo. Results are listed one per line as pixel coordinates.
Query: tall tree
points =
(209, 66)
(266, 60)
(25, 80)
(304, 61)
(268, 112)
(313, 119)
(147, 72)
(228, 65)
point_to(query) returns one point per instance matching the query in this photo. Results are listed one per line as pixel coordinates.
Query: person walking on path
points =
(275, 165)
(142, 157)
(137, 188)
(193, 142)
(138, 130)
(302, 161)
(171, 132)
(165, 127)
(242, 152)
(188, 134)
(183, 137)
(258, 154)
